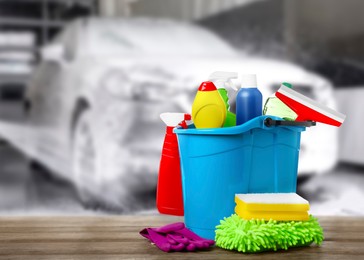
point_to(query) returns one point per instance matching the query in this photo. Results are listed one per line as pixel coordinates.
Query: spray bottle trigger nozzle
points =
(231, 85)
(225, 77)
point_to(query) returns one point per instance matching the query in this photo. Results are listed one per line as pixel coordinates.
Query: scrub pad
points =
(276, 215)
(277, 206)
(252, 236)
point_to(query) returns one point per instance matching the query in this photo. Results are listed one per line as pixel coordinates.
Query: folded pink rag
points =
(175, 237)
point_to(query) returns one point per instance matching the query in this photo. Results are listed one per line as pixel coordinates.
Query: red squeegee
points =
(308, 109)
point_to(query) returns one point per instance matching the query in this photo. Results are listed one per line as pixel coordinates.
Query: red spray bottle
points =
(169, 189)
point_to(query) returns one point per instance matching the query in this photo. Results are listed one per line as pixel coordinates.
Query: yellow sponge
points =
(277, 206)
(275, 215)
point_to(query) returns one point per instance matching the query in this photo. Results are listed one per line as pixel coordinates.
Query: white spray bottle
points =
(223, 79)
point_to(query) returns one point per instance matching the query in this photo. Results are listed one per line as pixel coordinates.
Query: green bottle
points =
(230, 116)
(275, 107)
(222, 79)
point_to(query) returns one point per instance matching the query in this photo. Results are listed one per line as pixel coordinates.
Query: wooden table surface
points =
(117, 237)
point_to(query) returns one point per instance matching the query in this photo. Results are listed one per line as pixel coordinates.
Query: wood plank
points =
(49, 229)
(178, 256)
(113, 233)
(61, 236)
(329, 249)
(139, 220)
(117, 237)
(35, 221)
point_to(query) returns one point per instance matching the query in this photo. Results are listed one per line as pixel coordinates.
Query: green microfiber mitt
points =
(252, 236)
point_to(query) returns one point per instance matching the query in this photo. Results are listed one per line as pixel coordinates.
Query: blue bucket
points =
(217, 163)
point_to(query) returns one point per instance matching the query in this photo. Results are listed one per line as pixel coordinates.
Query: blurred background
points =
(82, 84)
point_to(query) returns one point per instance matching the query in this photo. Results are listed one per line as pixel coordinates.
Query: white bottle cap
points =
(249, 81)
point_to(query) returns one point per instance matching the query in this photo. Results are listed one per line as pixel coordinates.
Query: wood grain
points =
(117, 237)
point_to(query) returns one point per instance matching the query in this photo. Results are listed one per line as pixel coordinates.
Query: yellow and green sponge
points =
(268, 221)
(276, 206)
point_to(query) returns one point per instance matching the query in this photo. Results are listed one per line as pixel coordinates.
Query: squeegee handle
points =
(271, 122)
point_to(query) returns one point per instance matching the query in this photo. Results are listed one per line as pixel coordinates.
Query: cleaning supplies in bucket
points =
(256, 161)
(208, 108)
(249, 158)
(169, 187)
(248, 100)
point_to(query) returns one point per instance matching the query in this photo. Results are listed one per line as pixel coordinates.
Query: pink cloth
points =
(175, 237)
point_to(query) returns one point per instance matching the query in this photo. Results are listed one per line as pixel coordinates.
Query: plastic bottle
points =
(208, 108)
(275, 107)
(248, 100)
(221, 79)
(169, 187)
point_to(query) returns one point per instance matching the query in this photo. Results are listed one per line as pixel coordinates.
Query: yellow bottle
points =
(208, 108)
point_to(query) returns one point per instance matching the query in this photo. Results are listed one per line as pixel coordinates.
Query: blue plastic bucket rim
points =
(257, 122)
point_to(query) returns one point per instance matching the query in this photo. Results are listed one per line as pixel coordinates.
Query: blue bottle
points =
(248, 100)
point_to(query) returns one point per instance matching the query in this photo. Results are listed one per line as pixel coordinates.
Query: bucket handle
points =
(268, 122)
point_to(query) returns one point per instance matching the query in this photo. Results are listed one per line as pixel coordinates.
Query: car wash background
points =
(82, 84)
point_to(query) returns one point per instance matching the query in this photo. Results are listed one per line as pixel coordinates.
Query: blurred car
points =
(347, 75)
(96, 97)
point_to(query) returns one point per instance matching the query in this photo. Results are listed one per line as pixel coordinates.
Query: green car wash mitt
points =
(252, 236)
